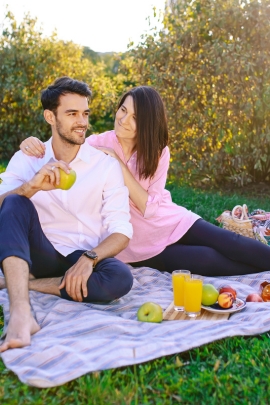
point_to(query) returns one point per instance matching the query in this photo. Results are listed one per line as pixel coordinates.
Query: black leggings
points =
(212, 251)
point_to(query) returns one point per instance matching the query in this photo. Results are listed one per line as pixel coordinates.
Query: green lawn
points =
(231, 371)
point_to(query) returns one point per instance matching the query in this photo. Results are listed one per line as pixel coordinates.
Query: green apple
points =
(66, 180)
(209, 294)
(150, 312)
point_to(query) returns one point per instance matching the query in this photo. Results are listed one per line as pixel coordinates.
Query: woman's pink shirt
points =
(163, 222)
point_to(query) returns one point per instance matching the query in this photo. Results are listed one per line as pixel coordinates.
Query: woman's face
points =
(125, 120)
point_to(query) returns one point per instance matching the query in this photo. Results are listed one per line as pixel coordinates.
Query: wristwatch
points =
(91, 254)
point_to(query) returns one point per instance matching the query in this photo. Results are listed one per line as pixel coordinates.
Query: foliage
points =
(29, 63)
(211, 64)
(110, 59)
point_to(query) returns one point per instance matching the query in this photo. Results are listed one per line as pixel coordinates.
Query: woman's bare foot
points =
(20, 328)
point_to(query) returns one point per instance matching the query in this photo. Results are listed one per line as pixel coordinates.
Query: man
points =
(62, 242)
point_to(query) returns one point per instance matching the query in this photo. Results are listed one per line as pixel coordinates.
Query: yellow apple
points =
(209, 294)
(66, 180)
(150, 312)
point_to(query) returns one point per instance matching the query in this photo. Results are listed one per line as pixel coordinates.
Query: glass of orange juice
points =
(193, 295)
(178, 277)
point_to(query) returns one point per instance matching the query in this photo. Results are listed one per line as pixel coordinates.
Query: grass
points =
(231, 371)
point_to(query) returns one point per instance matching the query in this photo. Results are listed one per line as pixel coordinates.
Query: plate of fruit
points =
(221, 301)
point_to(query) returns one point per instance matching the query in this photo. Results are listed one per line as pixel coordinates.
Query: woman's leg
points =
(198, 259)
(231, 245)
(211, 251)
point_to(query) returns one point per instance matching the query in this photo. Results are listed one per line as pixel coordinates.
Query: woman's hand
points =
(108, 151)
(32, 146)
(137, 193)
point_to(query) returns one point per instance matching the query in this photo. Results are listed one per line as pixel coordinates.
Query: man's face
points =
(71, 119)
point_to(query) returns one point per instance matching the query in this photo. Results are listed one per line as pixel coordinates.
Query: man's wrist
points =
(92, 255)
(27, 190)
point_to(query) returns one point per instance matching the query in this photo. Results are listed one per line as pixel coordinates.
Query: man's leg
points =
(21, 240)
(21, 324)
(111, 279)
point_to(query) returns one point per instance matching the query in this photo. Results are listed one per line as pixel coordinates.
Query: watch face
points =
(91, 254)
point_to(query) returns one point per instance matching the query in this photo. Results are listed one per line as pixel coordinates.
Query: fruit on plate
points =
(150, 312)
(225, 300)
(209, 294)
(266, 293)
(227, 288)
(254, 297)
(66, 180)
(262, 285)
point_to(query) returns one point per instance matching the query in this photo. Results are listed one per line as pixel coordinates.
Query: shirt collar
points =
(85, 152)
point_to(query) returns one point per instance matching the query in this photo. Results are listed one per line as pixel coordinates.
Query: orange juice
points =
(178, 278)
(192, 296)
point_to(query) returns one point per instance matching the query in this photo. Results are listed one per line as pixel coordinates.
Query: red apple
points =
(254, 297)
(227, 288)
(225, 300)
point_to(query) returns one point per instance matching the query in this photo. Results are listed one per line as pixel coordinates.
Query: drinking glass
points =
(178, 277)
(193, 295)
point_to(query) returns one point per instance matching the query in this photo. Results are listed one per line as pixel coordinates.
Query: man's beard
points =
(67, 137)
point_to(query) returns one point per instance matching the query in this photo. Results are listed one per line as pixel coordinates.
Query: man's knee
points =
(117, 279)
(17, 202)
(111, 280)
(123, 279)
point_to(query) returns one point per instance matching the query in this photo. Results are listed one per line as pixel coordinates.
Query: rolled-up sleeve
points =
(115, 207)
(13, 177)
(157, 184)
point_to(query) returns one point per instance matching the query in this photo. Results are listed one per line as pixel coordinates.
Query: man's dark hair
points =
(50, 97)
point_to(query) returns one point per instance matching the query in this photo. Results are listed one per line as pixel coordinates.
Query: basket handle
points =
(244, 216)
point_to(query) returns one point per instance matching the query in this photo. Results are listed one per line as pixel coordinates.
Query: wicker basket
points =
(242, 225)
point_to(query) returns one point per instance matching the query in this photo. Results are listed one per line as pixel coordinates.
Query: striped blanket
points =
(77, 338)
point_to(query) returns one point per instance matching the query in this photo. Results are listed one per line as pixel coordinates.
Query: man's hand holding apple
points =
(48, 177)
(75, 279)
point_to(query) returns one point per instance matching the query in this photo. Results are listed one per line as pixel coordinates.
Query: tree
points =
(211, 64)
(29, 63)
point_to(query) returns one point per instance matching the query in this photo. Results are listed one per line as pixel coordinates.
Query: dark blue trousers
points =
(21, 235)
(211, 251)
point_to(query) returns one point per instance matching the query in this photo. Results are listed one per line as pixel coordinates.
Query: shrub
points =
(211, 64)
(29, 63)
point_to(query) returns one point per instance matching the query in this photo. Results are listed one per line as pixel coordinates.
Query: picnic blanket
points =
(77, 338)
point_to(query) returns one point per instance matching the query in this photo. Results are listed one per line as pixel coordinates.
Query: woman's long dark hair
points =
(151, 128)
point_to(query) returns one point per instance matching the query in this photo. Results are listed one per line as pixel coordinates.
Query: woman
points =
(166, 236)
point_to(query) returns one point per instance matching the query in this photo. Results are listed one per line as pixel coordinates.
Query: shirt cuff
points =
(125, 230)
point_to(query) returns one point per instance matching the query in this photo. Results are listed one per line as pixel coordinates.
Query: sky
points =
(102, 25)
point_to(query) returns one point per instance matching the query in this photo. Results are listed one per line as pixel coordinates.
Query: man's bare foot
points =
(2, 283)
(20, 328)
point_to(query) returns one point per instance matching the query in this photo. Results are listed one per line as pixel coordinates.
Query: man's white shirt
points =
(96, 206)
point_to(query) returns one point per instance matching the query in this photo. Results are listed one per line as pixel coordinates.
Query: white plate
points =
(237, 306)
